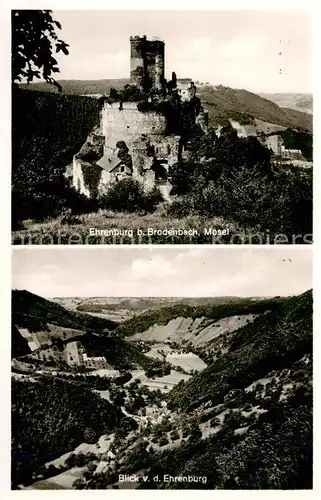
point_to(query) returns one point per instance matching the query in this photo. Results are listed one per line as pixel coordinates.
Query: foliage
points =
(128, 195)
(285, 335)
(34, 41)
(51, 129)
(50, 417)
(233, 178)
(294, 139)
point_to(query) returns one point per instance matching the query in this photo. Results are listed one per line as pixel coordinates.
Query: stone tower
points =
(147, 63)
(137, 60)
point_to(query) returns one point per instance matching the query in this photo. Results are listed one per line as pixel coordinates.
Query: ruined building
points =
(135, 141)
(147, 63)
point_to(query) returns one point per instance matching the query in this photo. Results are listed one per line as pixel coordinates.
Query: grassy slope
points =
(272, 341)
(224, 102)
(31, 310)
(215, 312)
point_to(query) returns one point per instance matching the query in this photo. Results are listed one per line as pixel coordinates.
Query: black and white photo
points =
(162, 368)
(143, 127)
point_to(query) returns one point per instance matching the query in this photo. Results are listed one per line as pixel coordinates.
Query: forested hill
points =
(162, 316)
(31, 311)
(221, 102)
(80, 87)
(272, 342)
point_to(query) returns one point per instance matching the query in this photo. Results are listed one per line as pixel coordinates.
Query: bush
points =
(128, 195)
(181, 207)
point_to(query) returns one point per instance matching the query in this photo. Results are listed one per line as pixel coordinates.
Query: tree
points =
(34, 41)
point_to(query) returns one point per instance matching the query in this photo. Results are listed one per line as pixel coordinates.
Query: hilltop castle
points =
(142, 136)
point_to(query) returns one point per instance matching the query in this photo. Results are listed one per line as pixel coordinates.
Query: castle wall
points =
(125, 124)
(78, 181)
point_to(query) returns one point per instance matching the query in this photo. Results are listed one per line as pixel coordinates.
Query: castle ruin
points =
(147, 63)
(136, 138)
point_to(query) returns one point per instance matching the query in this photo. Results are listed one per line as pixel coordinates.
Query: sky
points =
(261, 51)
(161, 272)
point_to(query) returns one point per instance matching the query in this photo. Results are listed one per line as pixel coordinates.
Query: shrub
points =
(181, 207)
(128, 195)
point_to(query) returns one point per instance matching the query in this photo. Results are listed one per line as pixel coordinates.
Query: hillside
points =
(285, 335)
(53, 321)
(31, 311)
(90, 87)
(45, 136)
(143, 322)
(223, 103)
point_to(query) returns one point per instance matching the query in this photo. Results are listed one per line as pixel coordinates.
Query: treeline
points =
(225, 102)
(47, 130)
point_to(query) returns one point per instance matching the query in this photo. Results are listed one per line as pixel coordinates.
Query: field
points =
(53, 231)
(164, 384)
(187, 361)
(199, 331)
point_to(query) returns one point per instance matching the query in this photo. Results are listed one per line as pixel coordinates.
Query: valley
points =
(194, 388)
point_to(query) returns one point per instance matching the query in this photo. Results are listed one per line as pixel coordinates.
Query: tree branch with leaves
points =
(34, 43)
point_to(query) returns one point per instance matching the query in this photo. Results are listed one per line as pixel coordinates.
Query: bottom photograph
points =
(161, 368)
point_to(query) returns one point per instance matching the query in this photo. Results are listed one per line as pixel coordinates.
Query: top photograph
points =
(162, 127)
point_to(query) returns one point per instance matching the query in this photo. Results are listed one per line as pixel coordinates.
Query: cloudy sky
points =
(261, 51)
(173, 272)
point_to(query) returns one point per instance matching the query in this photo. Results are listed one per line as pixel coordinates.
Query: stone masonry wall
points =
(125, 124)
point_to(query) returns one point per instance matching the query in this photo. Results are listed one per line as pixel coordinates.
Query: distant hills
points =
(34, 313)
(299, 102)
(221, 102)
